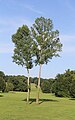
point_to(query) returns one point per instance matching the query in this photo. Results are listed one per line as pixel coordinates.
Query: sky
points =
(15, 13)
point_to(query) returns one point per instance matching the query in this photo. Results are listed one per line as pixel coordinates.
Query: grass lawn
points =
(14, 107)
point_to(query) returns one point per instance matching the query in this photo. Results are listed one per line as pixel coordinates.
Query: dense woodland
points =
(63, 85)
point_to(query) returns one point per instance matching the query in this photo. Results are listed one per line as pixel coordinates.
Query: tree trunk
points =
(38, 89)
(28, 92)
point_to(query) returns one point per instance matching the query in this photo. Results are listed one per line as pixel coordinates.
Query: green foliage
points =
(41, 42)
(35, 80)
(62, 84)
(23, 45)
(72, 89)
(46, 44)
(60, 88)
(46, 86)
(23, 52)
(46, 41)
(9, 87)
(2, 74)
(2, 84)
(19, 83)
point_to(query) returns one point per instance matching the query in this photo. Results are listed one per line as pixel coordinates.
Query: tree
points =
(72, 89)
(2, 84)
(19, 83)
(62, 85)
(2, 74)
(46, 85)
(9, 87)
(23, 50)
(46, 44)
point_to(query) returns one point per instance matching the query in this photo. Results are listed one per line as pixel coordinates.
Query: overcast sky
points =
(15, 13)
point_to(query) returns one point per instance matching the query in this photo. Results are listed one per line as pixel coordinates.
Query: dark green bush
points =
(61, 88)
(72, 89)
(46, 86)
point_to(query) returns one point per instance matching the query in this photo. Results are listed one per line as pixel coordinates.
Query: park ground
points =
(13, 106)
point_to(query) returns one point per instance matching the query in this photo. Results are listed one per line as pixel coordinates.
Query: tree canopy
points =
(23, 44)
(46, 40)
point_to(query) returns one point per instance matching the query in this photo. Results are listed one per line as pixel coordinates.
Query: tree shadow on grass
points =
(1, 95)
(72, 99)
(40, 100)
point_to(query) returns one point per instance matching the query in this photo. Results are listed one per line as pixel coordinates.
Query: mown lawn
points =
(14, 107)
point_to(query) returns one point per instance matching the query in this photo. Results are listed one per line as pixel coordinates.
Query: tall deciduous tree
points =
(23, 50)
(46, 43)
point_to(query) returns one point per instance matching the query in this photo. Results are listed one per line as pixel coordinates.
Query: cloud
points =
(33, 9)
(23, 5)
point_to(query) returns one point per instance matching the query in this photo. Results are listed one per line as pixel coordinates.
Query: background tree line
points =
(63, 85)
(12, 83)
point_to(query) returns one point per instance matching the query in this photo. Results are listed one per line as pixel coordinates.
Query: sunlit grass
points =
(14, 107)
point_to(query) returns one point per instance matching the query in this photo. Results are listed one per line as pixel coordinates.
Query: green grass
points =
(14, 107)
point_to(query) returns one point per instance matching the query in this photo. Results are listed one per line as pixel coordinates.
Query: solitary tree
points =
(46, 44)
(23, 50)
